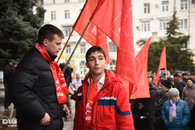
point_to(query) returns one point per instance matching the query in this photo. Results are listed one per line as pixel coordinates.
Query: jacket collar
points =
(176, 102)
(110, 79)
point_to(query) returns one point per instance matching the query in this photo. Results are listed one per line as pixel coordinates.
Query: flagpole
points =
(64, 46)
(166, 72)
(75, 47)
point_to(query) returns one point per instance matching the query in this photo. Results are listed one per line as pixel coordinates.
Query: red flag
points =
(114, 18)
(162, 64)
(141, 89)
(93, 35)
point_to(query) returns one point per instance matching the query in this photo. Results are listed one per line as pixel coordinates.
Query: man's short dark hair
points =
(94, 49)
(47, 32)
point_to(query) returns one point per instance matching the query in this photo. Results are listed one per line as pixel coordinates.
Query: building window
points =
(112, 47)
(145, 26)
(184, 4)
(67, 14)
(184, 24)
(146, 8)
(165, 6)
(66, 1)
(113, 65)
(68, 49)
(163, 25)
(82, 48)
(83, 68)
(53, 15)
(67, 30)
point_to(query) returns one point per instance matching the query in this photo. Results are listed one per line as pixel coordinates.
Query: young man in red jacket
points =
(102, 102)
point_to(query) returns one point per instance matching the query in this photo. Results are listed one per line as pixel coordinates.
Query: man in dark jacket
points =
(7, 74)
(159, 124)
(192, 119)
(143, 109)
(38, 89)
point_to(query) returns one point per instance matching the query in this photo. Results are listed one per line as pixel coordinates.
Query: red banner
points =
(141, 89)
(114, 18)
(93, 35)
(162, 64)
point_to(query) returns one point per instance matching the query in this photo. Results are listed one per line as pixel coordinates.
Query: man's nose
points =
(60, 47)
(96, 61)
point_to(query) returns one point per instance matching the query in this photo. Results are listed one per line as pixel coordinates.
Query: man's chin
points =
(99, 73)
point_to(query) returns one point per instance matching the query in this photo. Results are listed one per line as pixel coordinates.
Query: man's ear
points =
(86, 64)
(45, 42)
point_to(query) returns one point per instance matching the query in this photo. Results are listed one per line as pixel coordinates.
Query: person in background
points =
(102, 101)
(175, 112)
(182, 82)
(15, 64)
(177, 79)
(152, 101)
(67, 73)
(8, 72)
(38, 88)
(170, 79)
(188, 93)
(68, 78)
(143, 108)
(76, 82)
(165, 86)
(192, 119)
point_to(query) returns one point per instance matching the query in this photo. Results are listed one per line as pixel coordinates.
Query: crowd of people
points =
(170, 106)
(39, 90)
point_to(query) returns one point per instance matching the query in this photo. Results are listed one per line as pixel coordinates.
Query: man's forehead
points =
(96, 53)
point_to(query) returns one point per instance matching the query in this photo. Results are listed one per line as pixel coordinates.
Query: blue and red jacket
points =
(111, 108)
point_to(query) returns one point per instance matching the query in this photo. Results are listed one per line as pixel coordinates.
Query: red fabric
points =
(93, 91)
(114, 18)
(61, 87)
(93, 35)
(111, 99)
(162, 64)
(141, 89)
(101, 40)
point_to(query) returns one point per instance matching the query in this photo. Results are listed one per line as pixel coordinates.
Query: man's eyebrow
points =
(100, 56)
(91, 57)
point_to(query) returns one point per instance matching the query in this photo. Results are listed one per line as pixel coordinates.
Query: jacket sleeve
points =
(186, 115)
(124, 117)
(163, 113)
(21, 94)
(183, 93)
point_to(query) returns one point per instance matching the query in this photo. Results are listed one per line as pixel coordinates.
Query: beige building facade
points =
(150, 18)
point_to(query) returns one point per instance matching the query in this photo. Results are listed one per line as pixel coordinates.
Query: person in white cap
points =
(175, 112)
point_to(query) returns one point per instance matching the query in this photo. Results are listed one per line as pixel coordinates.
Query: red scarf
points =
(93, 91)
(60, 83)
